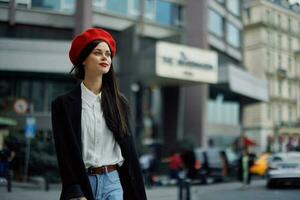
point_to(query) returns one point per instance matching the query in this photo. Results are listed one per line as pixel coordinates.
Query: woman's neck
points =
(93, 84)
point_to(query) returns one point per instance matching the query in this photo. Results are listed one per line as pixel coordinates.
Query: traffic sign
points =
(30, 127)
(21, 106)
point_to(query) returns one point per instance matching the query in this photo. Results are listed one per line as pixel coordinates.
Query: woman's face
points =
(98, 61)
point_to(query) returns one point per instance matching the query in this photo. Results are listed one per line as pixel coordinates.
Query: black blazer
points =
(66, 124)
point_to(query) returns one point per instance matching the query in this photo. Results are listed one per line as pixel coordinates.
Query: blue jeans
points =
(106, 186)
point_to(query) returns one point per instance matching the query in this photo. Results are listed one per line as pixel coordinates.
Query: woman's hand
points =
(79, 198)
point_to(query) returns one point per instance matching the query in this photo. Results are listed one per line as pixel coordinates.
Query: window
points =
(271, 18)
(290, 64)
(279, 113)
(177, 15)
(279, 20)
(221, 112)
(279, 88)
(47, 4)
(4, 2)
(215, 23)
(99, 3)
(233, 35)
(270, 87)
(248, 13)
(118, 7)
(233, 6)
(134, 7)
(290, 43)
(290, 89)
(163, 12)
(268, 60)
(21, 3)
(150, 9)
(269, 110)
(68, 5)
(271, 43)
(290, 113)
(268, 16)
(279, 40)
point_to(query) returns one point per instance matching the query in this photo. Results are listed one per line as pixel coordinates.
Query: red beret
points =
(88, 36)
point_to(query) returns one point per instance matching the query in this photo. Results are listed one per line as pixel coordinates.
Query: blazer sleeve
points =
(70, 184)
(136, 171)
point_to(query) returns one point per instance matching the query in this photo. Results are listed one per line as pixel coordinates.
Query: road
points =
(233, 191)
(223, 191)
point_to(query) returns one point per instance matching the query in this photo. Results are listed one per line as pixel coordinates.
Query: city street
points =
(224, 191)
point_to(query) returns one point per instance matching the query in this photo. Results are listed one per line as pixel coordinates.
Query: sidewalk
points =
(31, 191)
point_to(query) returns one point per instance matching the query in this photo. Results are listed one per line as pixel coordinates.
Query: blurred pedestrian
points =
(6, 156)
(94, 146)
(289, 145)
(245, 162)
(175, 165)
(146, 162)
(189, 162)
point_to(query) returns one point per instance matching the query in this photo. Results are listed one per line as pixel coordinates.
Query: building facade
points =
(236, 87)
(272, 44)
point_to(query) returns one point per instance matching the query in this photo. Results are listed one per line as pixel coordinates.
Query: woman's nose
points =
(103, 57)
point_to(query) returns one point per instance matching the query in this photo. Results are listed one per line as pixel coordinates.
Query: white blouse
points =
(98, 143)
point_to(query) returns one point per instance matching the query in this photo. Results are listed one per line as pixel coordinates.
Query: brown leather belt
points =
(101, 170)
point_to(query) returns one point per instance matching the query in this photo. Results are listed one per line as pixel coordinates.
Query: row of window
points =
(283, 41)
(284, 21)
(276, 61)
(162, 12)
(38, 93)
(218, 26)
(234, 6)
(282, 88)
(279, 112)
(220, 112)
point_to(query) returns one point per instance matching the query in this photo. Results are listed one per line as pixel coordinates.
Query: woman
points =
(94, 146)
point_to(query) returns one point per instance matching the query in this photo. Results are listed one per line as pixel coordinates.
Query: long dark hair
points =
(114, 104)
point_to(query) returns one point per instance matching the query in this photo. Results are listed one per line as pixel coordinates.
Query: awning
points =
(243, 84)
(34, 55)
(4, 121)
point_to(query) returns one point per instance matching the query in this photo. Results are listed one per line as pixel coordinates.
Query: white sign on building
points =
(186, 63)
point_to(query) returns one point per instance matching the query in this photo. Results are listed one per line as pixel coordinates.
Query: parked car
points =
(284, 168)
(260, 165)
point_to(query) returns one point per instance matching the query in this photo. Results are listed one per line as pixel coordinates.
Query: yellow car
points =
(261, 165)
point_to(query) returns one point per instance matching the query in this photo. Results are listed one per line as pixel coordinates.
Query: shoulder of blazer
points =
(73, 94)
